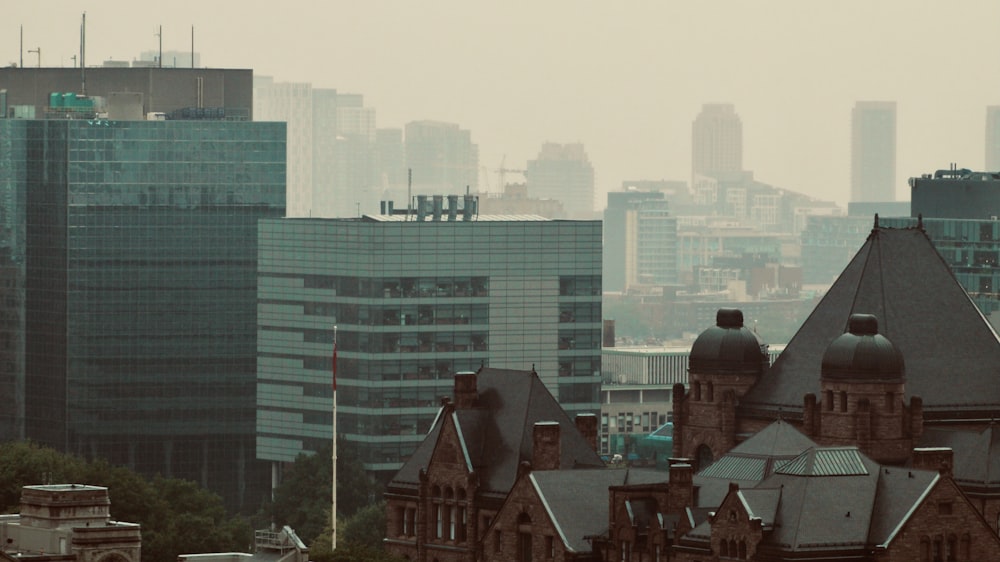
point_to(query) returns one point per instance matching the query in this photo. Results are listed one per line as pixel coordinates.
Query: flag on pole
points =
(335, 365)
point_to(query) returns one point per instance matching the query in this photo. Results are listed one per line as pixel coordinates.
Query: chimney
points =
(546, 452)
(939, 459)
(452, 207)
(465, 391)
(586, 424)
(680, 488)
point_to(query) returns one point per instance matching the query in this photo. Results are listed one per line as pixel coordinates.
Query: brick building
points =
(895, 357)
(835, 503)
(447, 494)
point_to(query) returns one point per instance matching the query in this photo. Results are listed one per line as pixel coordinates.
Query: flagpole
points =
(333, 486)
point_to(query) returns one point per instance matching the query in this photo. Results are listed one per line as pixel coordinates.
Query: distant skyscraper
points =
(442, 156)
(415, 302)
(131, 247)
(716, 141)
(993, 138)
(563, 172)
(291, 103)
(344, 176)
(873, 151)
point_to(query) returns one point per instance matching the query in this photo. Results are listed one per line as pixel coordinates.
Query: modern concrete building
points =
(563, 172)
(132, 250)
(161, 89)
(416, 298)
(716, 141)
(873, 151)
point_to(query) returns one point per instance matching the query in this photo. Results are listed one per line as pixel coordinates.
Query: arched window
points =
(951, 549)
(732, 548)
(724, 548)
(703, 457)
(966, 546)
(843, 401)
(711, 392)
(743, 549)
(697, 391)
(524, 537)
(890, 402)
(829, 400)
(925, 549)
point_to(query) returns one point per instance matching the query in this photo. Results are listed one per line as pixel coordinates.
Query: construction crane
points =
(502, 173)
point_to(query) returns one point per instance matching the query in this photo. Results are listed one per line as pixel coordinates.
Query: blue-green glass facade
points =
(971, 248)
(139, 273)
(413, 303)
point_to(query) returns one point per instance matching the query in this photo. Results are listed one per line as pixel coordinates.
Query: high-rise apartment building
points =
(131, 248)
(442, 157)
(563, 172)
(716, 141)
(640, 240)
(414, 302)
(993, 138)
(873, 151)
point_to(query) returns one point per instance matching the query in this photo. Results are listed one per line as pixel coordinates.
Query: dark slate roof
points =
(839, 500)
(751, 461)
(976, 454)
(577, 500)
(952, 354)
(498, 432)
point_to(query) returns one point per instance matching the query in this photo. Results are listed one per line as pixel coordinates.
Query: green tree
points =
(177, 516)
(302, 500)
(358, 538)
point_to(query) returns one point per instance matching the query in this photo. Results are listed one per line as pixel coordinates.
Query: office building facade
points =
(132, 249)
(415, 302)
(873, 151)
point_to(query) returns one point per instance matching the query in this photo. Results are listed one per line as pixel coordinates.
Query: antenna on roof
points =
(83, 54)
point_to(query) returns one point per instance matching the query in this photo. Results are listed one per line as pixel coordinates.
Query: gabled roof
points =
(952, 353)
(497, 434)
(751, 461)
(976, 454)
(837, 498)
(577, 500)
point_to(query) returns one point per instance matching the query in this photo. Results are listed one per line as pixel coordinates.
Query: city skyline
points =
(627, 83)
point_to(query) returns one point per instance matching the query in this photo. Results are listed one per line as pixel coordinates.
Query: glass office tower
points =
(414, 302)
(138, 249)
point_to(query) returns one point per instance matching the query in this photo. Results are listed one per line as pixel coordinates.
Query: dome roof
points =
(862, 353)
(728, 347)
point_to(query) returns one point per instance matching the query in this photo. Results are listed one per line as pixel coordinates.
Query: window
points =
(549, 548)
(439, 516)
(944, 508)
(829, 400)
(497, 541)
(843, 401)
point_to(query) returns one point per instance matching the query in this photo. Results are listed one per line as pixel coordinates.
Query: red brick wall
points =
(500, 542)
(934, 521)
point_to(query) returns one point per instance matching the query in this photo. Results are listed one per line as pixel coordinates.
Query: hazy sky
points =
(625, 78)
